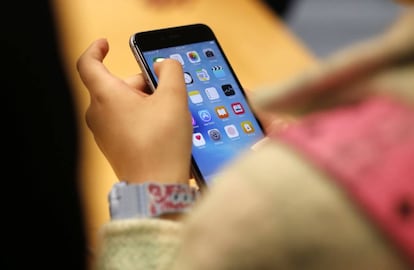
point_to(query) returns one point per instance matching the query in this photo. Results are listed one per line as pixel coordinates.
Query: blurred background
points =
(328, 25)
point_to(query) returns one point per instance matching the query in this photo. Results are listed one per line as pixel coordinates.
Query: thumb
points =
(91, 68)
(170, 79)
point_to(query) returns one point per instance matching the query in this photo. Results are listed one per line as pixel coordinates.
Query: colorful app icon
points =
(212, 93)
(204, 115)
(202, 75)
(214, 134)
(221, 112)
(218, 71)
(198, 139)
(195, 96)
(228, 89)
(158, 59)
(247, 127)
(187, 78)
(209, 53)
(193, 121)
(237, 108)
(193, 57)
(231, 131)
(177, 57)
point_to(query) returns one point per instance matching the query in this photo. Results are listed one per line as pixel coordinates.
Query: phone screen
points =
(223, 123)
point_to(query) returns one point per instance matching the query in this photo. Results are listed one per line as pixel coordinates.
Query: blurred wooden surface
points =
(260, 48)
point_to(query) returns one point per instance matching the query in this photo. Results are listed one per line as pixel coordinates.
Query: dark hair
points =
(41, 210)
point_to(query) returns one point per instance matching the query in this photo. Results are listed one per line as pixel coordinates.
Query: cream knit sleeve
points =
(138, 244)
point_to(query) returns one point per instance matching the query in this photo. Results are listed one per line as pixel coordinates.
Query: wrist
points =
(165, 176)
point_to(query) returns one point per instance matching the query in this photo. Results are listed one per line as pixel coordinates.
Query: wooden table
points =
(260, 47)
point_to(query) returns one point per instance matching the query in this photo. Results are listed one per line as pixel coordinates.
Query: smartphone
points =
(223, 123)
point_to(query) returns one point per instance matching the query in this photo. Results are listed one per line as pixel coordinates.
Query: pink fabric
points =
(368, 148)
